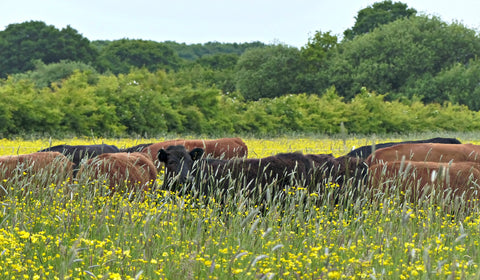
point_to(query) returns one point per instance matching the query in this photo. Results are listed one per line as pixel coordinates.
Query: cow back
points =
(459, 178)
(124, 171)
(365, 151)
(78, 152)
(226, 148)
(51, 163)
(136, 148)
(426, 152)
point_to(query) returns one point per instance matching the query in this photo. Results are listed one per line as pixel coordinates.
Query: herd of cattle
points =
(220, 165)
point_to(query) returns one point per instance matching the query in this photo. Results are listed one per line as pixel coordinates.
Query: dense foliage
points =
(269, 72)
(196, 51)
(376, 15)
(21, 44)
(396, 71)
(396, 57)
(121, 55)
(142, 102)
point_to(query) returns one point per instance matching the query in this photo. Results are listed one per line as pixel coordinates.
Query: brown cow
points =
(124, 171)
(39, 169)
(459, 178)
(225, 148)
(33, 163)
(365, 151)
(218, 148)
(426, 152)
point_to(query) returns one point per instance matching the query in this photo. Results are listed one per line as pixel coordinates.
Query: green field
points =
(70, 230)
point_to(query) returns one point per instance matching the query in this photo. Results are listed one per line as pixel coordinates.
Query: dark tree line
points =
(22, 44)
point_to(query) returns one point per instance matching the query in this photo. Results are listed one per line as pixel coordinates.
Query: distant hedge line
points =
(153, 104)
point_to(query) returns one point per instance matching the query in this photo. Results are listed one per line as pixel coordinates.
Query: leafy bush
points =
(44, 75)
(154, 104)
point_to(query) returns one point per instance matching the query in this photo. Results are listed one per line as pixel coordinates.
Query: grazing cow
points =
(365, 151)
(426, 152)
(211, 175)
(78, 152)
(420, 177)
(124, 171)
(225, 148)
(48, 166)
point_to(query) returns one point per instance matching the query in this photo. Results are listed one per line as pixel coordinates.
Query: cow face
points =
(178, 163)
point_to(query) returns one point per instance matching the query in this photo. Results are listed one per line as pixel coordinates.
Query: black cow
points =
(210, 175)
(137, 148)
(322, 167)
(344, 176)
(78, 152)
(207, 175)
(364, 151)
(329, 169)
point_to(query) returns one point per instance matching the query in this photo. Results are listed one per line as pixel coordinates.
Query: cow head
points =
(178, 163)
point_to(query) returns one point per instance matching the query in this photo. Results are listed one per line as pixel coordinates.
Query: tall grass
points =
(75, 229)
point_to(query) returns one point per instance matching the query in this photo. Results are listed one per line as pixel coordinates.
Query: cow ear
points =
(162, 155)
(196, 153)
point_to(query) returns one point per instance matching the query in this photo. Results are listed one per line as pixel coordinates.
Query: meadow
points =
(69, 230)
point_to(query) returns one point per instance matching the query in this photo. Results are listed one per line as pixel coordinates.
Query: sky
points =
(227, 21)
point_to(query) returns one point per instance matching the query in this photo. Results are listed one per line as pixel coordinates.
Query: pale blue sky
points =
(200, 21)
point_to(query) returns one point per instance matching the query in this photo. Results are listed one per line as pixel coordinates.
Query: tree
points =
(218, 61)
(317, 48)
(314, 55)
(216, 70)
(269, 72)
(22, 44)
(44, 75)
(393, 57)
(459, 84)
(192, 52)
(121, 55)
(378, 14)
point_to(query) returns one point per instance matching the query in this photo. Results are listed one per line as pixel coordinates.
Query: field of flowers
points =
(68, 231)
